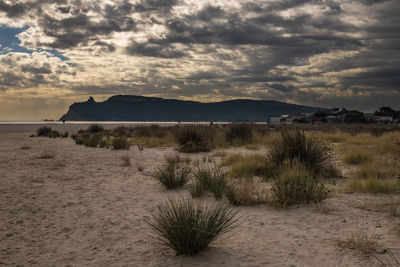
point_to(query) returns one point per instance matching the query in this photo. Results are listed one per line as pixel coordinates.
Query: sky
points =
(325, 53)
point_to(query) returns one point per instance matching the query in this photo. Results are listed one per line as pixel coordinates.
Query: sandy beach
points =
(63, 204)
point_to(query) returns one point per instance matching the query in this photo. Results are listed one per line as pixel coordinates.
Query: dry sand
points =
(79, 207)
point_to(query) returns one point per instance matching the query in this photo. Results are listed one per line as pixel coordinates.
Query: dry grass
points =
(246, 192)
(248, 166)
(373, 144)
(153, 141)
(359, 240)
(220, 153)
(357, 156)
(374, 185)
(335, 137)
(176, 159)
(378, 169)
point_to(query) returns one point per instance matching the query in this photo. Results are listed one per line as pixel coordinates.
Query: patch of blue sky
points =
(9, 42)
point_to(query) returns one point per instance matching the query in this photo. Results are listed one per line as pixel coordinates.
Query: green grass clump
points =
(295, 185)
(173, 175)
(120, 143)
(209, 179)
(189, 227)
(374, 185)
(293, 145)
(356, 157)
(194, 139)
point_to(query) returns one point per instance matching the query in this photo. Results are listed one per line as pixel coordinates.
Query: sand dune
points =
(62, 204)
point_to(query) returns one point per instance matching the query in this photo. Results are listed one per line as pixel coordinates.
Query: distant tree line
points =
(353, 116)
(387, 111)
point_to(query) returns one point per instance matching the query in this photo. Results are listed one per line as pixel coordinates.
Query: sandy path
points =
(81, 208)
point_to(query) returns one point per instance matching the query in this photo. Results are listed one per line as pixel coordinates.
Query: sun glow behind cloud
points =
(324, 53)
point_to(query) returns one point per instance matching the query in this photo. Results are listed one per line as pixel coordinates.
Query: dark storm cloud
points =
(21, 8)
(9, 79)
(45, 69)
(241, 50)
(372, 2)
(12, 10)
(79, 29)
(154, 50)
(282, 88)
(159, 6)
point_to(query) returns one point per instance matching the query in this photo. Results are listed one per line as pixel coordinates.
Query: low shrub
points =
(173, 175)
(120, 143)
(122, 131)
(92, 140)
(95, 128)
(208, 179)
(294, 186)
(239, 131)
(189, 227)
(293, 145)
(78, 140)
(43, 131)
(47, 132)
(193, 139)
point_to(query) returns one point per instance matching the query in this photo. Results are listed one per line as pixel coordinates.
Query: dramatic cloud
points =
(316, 52)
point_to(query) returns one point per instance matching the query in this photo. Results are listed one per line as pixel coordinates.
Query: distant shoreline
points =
(114, 122)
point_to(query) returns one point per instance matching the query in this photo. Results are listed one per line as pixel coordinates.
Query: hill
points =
(141, 108)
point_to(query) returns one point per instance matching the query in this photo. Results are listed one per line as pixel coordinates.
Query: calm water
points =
(103, 122)
(32, 126)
